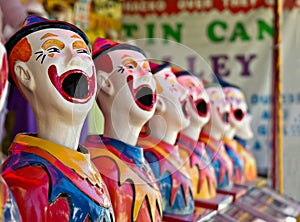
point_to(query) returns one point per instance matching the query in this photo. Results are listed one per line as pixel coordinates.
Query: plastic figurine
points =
(191, 150)
(212, 134)
(127, 99)
(50, 175)
(9, 210)
(240, 125)
(170, 117)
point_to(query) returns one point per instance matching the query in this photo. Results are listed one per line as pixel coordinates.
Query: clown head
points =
(173, 98)
(220, 109)
(50, 62)
(3, 75)
(244, 130)
(198, 105)
(127, 90)
(238, 105)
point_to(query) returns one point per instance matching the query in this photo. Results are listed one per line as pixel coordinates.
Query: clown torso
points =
(220, 160)
(174, 181)
(130, 181)
(237, 160)
(54, 183)
(196, 162)
(250, 169)
(9, 210)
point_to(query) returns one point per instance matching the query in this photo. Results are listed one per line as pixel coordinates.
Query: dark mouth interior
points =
(184, 108)
(238, 114)
(76, 85)
(225, 117)
(145, 96)
(202, 107)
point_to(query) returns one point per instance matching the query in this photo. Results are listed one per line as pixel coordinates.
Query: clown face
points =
(198, 105)
(220, 109)
(244, 130)
(3, 75)
(60, 71)
(238, 105)
(174, 97)
(127, 80)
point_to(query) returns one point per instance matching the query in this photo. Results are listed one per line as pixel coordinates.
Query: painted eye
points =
(82, 51)
(129, 66)
(53, 50)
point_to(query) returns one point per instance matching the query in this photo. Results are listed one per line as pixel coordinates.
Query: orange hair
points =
(21, 51)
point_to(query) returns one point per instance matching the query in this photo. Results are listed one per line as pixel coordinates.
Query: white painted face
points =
(3, 75)
(127, 79)
(173, 98)
(244, 131)
(198, 106)
(238, 105)
(220, 109)
(60, 71)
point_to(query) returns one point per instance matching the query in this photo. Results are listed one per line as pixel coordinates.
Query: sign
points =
(232, 39)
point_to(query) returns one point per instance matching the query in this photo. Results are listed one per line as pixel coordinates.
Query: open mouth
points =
(74, 85)
(202, 107)
(143, 95)
(238, 114)
(225, 117)
(184, 108)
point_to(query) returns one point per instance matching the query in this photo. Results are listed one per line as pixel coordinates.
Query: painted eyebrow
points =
(78, 44)
(75, 36)
(129, 61)
(53, 42)
(48, 35)
(124, 56)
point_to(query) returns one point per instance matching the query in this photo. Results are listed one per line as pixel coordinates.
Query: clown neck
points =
(230, 133)
(61, 128)
(158, 128)
(193, 130)
(212, 130)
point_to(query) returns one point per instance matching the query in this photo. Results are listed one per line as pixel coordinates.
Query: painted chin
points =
(144, 96)
(74, 85)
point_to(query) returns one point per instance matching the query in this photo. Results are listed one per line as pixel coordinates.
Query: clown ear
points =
(24, 76)
(104, 84)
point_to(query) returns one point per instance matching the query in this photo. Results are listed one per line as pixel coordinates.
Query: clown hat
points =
(102, 46)
(36, 23)
(156, 67)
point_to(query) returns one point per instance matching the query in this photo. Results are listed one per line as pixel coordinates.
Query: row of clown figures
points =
(169, 142)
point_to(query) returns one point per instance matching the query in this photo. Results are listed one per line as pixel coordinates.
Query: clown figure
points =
(170, 117)
(192, 151)
(8, 207)
(127, 99)
(50, 175)
(212, 134)
(239, 125)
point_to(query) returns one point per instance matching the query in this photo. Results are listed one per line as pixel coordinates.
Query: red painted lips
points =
(74, 85)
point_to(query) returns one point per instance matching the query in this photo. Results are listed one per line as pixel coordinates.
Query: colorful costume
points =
(220, 161)
(54, 183)
(9, 210)
(130, 181)
(174, 181)
(237, 160)
(249, 161)
(196, 162)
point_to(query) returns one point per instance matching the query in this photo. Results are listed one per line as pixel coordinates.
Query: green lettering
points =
(174, 33)
(239, 31)
(262, 28)
(211, 31)
(129, 28)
